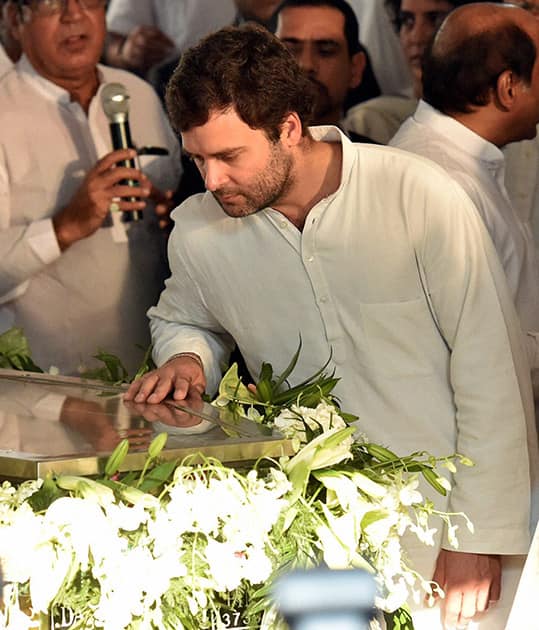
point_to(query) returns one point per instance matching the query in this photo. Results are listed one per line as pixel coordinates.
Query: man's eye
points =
(327, 51)
(406, 21)
(294, 48)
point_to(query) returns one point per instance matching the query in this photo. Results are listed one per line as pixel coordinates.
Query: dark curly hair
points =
(245, 68)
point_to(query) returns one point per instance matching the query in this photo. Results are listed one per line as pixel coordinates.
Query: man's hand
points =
(141, 49)
(164, 204)
(182, 376)
(470, 581)
(90, 205)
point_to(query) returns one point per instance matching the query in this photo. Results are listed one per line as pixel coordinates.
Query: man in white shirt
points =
(480, 93)
(374, 257)
(73, 275)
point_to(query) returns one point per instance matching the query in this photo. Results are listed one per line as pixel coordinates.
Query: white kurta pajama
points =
(478, 166)
(349, 284)
(95, 294)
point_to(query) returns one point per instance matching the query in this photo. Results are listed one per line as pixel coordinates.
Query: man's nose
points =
(307, 60)
(421, 32)
(214, 175)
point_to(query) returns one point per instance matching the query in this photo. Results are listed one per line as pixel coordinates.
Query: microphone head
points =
(115, 102)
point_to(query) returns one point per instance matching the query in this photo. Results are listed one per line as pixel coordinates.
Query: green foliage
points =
(273, 393)
(15, 352)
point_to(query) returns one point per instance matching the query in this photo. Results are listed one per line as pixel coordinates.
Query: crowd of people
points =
(359, 174)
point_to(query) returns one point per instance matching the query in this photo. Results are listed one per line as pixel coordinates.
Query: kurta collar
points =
(458, 134)
(330, 133)
(49, 89)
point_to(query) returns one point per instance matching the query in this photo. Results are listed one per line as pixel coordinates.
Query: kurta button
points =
(323, 299)
(310, 259)
(284, 224)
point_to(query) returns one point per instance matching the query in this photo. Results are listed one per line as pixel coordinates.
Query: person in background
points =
(416, 22)
(480, 93)
(10, 49)
(376, 259)
(146, 33)
(73, 275)
(323, 37)
(522, 160)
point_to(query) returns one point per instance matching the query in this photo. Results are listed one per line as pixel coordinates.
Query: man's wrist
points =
(191, 355)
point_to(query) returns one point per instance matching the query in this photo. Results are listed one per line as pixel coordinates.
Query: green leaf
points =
(116, 458)
(290, 368)
(372, 516)
(232, 388)
(432, 478)
(157, 445)
(15, 351)
(400, 619)
(48, 493)
(147, 364)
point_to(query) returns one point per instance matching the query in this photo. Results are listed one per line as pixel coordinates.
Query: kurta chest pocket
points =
(400, 338)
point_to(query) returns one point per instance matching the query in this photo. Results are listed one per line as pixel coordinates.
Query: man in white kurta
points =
(92, 295)
(478, 166)
(373, 257)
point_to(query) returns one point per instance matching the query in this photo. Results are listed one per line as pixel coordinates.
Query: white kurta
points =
(94, 295)
(183, 21)
(478, 166)
(379, 118)
(349, 284)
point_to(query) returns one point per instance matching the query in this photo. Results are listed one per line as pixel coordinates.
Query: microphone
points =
(115, 102)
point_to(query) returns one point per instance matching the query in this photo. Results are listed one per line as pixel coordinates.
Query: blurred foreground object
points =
(321, 599)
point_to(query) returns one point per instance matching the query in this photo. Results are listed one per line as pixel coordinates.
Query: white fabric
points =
(94, 295)
(349, 284)
(379, 118)
(522, 180)
(5, 62)
(478, 166)
(379, 37)
(524, 612)
(183, 21)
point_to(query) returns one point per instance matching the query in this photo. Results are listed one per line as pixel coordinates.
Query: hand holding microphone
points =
(115, 101)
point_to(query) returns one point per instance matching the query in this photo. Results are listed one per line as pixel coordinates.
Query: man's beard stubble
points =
(271, 184)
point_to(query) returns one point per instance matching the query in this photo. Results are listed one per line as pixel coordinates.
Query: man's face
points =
(315, 36)
(64, 46)
(524, 125)
(243, 170)
(420, 19)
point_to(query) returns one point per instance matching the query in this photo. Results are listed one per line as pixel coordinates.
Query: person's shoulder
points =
(198, 209)
(15, 92)
(129, 79)
(379, 118)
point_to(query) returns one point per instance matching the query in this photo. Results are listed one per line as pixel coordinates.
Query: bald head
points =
(475, 44)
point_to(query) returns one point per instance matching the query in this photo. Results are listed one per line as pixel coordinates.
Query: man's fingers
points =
(112, 158)
(452, 608)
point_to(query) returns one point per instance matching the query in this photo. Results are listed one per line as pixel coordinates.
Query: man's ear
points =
(507, 90)
(357, 66)
(291, 130)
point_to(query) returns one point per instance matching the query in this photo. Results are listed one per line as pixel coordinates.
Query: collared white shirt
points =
(183, 21)
(478, 166)
(93, 295)
(348, 285)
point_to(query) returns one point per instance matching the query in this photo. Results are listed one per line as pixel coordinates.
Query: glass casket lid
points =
(70, 425)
